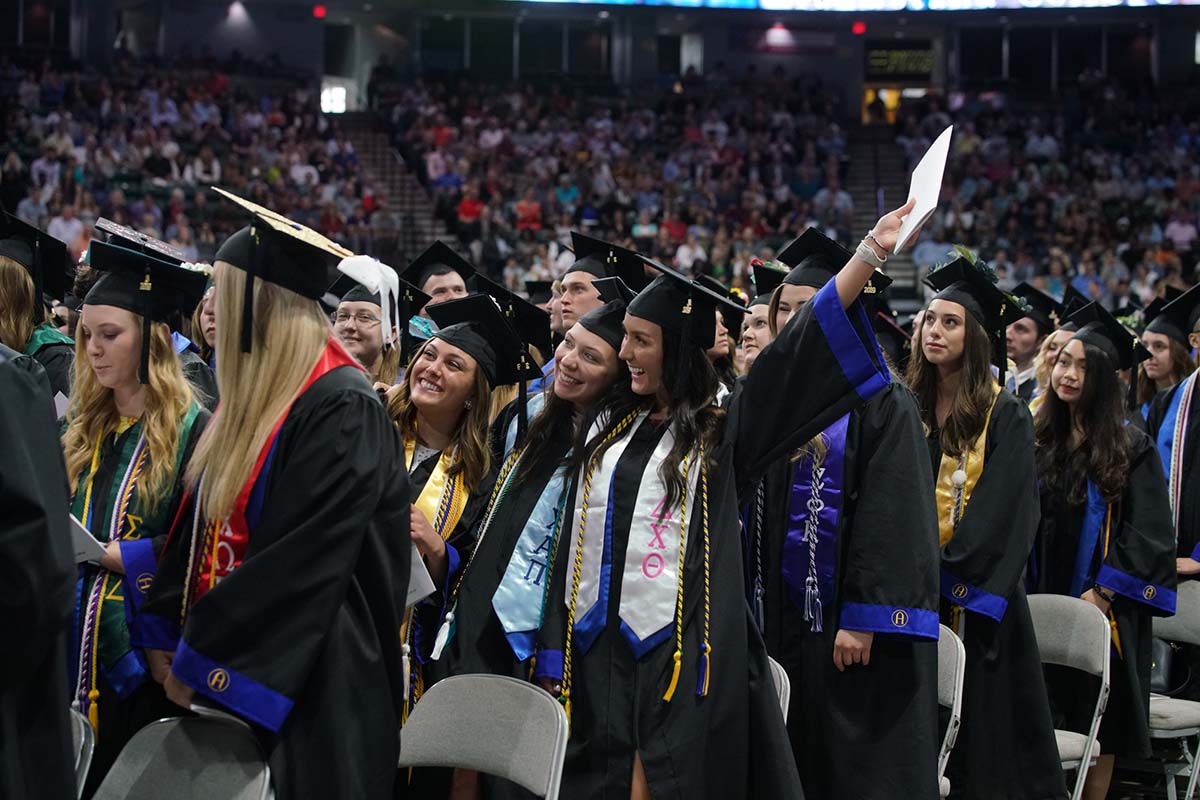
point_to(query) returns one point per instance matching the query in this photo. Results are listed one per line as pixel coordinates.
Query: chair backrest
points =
(1185, 625)
(952, 664)
(783, 684)
(84, 739)
(183, 758)
(489, 723)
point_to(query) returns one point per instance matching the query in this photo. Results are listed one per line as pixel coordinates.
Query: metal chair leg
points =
(1191, 787)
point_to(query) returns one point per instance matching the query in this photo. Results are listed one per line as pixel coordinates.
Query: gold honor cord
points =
(683, 523)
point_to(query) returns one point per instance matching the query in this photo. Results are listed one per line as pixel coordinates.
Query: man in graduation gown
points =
(440, 273)
(847, 595)
(36, 758)
(1024, 337)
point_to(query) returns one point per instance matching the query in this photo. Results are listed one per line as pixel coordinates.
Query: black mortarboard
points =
(1100, 328)
(539, 292)
(124, 236)
(1072, 301)
(766, 280)
(155, 290)
(279, 251)
(1179, 316)
(475, 325)
(529, 321)
(1043, 309)
(408, 298)
(894, 340)
(437, 259)
(730, 306)
(814, 259)
(607, 322)
(962, 282)
(614, 289)
(606, 260)
(44, 256)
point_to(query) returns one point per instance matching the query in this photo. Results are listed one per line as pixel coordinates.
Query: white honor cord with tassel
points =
(443, 634)
(405, 650)
(812, 587)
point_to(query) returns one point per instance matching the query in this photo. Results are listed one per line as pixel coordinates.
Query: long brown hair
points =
(469, 446)
(17, 305)
(92, 414)
(968, 414)
(1182, 365)
(1101, 414)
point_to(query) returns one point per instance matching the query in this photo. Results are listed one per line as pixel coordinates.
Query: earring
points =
(468, 405)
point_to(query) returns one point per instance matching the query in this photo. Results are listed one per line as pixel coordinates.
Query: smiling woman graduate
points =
(282, 587)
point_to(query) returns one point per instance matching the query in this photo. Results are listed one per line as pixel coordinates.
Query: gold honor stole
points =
(443, 498)
(957, 477)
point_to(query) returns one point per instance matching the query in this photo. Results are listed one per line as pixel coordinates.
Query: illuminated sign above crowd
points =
(882, 5)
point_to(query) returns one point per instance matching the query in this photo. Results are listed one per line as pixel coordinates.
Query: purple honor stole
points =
(814, 516)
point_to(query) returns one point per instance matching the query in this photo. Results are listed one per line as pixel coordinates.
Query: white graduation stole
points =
(654, 555)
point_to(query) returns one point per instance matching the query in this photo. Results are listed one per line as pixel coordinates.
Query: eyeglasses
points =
(362, 318)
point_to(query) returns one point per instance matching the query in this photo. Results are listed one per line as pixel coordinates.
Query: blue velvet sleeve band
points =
(549, 665)
(1157, 597)
(973, 598)
(140, 567)
(866, 374)
(1196, 553)
(901, 620)
(245, 696)
(151, 630)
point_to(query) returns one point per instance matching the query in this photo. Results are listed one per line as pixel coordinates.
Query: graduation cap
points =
(731, 309)
(814, 259)
(895, 341)
(1177, 326)
(603, 259)
(155, 290)
(539, 292)
(973, 286)
(279, 251)
(1100, 328)
(437, 259)
(367, 280)
(531, 322)
(607, 322)
(614, 289)
(766, 280)
(1073, 300)
(1043, 309)
(41, 254)
(130, 239)
(1179, 316)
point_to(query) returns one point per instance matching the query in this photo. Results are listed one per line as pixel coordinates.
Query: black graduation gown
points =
(303, 636)
(58, 360)
(37, 569)
(731, 743)
(1140, 571)
(1006, 748)
(884, 715)
(1025, 390)
(200, 376)
(1189, 501)
(31, 366)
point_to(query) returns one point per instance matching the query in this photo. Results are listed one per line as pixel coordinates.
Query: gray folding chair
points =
(783, 684)
(1170, 718)
(189, 759)
(952, 664)
(492, 724)
(1073, 633)
(84, 739)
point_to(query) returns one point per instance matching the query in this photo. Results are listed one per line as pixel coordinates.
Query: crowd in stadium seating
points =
(1101, 193)
(702, 177)
(141, 145)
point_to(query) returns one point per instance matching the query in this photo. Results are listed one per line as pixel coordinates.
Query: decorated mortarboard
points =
(1175, 325)
(1131, 316)
(45, 258)
(614, 289)
(130, 239)
(153, 289)
(368, 280)
(970, 282)
(814, 259)
(539, 292)
(1044, 310)
(1178, 317)
(1100, 328)
(603, 259)
(767, 278)
(607, 322)
(277, 250)
(529, 321)
(730, 306)
(475, 325)
(437, 259)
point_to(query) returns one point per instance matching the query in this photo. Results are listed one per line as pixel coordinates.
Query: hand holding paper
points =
(926, 187)
(86, 546)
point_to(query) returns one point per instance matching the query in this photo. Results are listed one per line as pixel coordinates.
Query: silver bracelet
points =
(871, 235)
(865, 253)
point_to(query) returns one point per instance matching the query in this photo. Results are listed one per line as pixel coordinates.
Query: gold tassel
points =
(674, 677)
(94, 710)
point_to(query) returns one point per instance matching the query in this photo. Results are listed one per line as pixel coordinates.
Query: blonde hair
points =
(290, 333)
(471, 454)
(389, 365)
(92, 414)
(17, 305)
